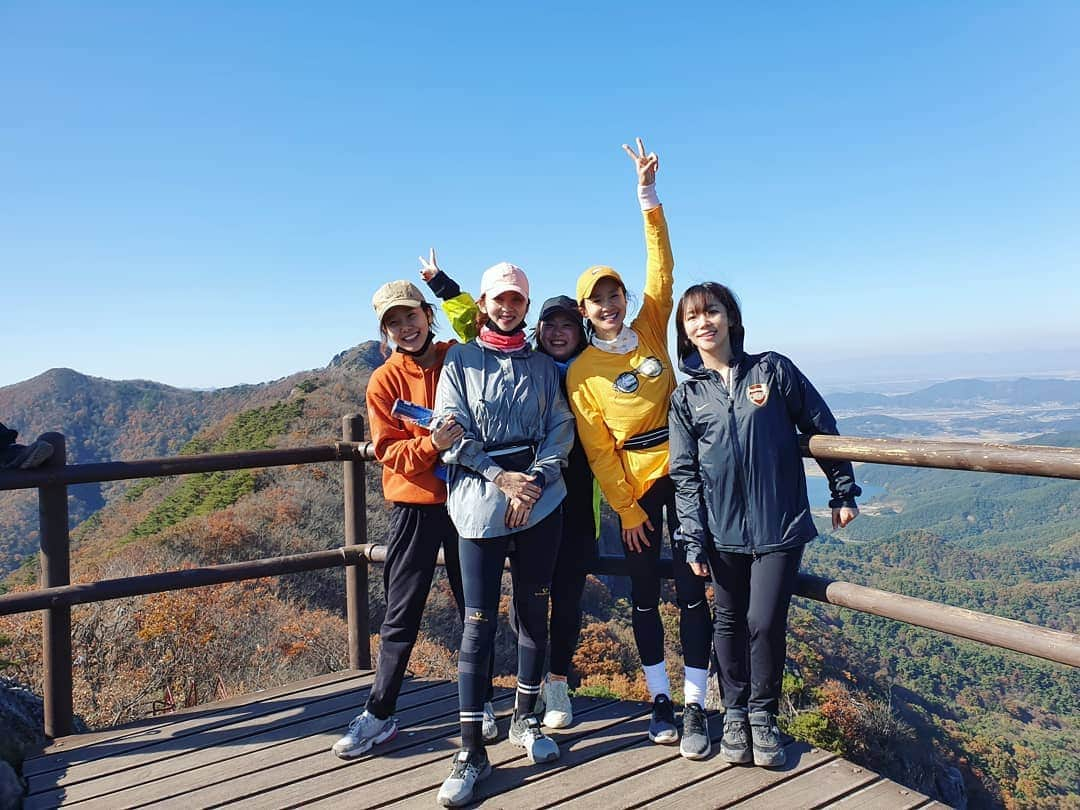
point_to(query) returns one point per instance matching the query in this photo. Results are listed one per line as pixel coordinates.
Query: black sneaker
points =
(768, 749)
(695, 733)
(735, 744)
(662, 728)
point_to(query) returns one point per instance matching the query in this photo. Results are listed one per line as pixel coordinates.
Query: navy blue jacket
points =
(735, 458)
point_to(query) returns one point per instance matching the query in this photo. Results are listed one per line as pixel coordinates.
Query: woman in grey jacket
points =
(740, 492)
(505, 490)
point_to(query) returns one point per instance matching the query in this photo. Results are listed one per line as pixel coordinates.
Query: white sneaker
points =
(365, 730)
(525, 732)
(465, 772)
(559, 712)
(489, 730)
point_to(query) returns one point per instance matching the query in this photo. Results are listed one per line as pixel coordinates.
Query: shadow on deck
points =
(272, 750)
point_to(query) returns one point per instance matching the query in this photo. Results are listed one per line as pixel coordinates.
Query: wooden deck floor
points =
(272, 750)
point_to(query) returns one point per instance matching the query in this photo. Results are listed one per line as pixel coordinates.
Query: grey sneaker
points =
(662, 723)
(695, 733)
(33, 455)
(489, 730)
(468, 768)
(559, 712)
(526, 732)
(735, 744)
(365, 730)
(768, 750)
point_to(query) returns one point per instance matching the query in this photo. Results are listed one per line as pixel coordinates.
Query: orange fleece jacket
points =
(408, 457)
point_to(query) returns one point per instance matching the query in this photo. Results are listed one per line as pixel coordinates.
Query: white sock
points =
(657, 680)
(697, 681)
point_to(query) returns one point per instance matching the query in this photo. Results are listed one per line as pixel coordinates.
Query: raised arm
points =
(460, 308)
(660, 265)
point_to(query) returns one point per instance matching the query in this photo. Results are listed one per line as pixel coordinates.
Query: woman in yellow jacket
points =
(619, 390)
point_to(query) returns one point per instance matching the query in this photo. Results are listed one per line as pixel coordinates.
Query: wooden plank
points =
(730, 785)
(593, 762)
(421, 781)
(814, 788)
(303, 781)
(34, 764)
(174, 740)
(882, 794)
(162, 778)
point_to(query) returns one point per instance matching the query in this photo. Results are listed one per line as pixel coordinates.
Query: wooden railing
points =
(56, 594)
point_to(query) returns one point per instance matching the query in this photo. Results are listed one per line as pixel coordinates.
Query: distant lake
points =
(817, 489)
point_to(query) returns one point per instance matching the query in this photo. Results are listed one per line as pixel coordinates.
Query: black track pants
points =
(751, 600)
(416, 534)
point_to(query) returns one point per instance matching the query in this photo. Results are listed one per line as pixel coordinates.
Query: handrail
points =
(1016, 459)
(57, 596)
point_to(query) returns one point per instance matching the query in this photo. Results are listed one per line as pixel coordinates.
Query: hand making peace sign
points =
(428, 267)
(646, 164)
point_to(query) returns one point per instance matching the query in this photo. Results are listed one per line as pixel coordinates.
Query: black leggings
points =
(751, 596)
(577, 553)
(416, 534)
(532, 560)
(644, 567)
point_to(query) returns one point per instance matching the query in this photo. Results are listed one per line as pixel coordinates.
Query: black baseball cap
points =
(560, 303)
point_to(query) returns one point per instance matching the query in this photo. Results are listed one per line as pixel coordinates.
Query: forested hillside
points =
(909, 703)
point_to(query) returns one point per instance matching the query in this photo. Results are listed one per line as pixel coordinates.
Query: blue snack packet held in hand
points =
(419, 415)
(411, 412)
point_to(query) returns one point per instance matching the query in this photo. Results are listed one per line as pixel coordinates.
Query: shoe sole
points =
(529, 753)
(447, 801)
(665, 737)
(353, 753)
(555, 719)
(736, 756)
(777, 760)
(695, 755)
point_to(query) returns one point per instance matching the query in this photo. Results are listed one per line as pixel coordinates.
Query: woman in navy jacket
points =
(742, 504)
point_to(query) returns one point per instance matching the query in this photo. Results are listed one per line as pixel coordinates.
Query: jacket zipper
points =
(740, 472)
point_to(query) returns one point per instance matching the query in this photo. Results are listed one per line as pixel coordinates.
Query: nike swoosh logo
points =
(699, 407)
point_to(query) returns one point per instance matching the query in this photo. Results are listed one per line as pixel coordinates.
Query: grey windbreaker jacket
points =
(735, 459)
(501, 399)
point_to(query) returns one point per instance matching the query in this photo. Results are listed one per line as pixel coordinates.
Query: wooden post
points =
(56, 570)
(356, 576)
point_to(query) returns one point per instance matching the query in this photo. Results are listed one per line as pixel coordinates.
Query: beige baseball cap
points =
(396, 294)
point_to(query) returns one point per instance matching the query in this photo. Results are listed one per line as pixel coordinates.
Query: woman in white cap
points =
(619, 390)
(505, 492)
(419, 523)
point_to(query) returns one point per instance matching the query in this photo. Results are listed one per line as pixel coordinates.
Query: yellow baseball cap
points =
(587, 280)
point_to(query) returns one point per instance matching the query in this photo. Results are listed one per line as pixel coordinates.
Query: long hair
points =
(698, 297)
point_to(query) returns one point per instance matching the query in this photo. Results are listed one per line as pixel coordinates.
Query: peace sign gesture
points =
(646, 164)
(429, 268)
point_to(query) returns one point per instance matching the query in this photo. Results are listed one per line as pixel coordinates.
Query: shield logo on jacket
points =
(758, 393)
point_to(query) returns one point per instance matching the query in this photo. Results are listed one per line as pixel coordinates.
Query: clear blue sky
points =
(208, 196)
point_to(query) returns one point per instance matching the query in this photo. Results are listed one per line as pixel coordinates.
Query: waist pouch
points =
(513, 457)
(650, 438)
